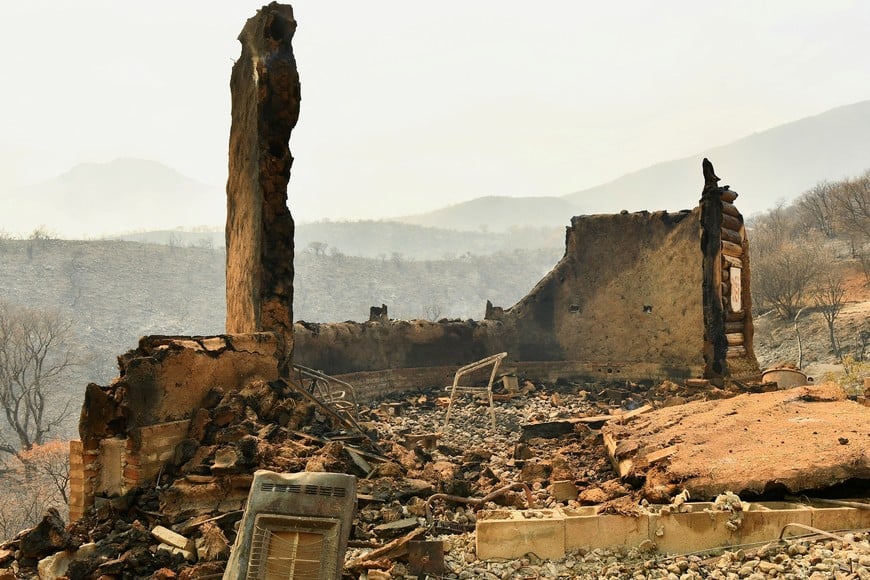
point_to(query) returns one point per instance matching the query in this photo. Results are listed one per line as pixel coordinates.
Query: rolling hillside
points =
(378, 239)
(766, 167)
(777, 164)
(499, 214)
(114, 292)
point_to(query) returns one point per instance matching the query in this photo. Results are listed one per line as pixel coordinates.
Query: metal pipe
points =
(530, 501)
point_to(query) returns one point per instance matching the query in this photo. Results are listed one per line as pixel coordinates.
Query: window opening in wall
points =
(736, 289)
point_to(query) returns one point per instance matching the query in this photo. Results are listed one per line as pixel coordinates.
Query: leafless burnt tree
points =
(36, 352)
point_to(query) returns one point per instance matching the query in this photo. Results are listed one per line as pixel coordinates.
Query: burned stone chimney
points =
(728, 328)
(259, 232)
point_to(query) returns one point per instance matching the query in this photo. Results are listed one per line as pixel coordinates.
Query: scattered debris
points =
(201, 498)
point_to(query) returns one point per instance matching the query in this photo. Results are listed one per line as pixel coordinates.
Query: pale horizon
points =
(408, 108)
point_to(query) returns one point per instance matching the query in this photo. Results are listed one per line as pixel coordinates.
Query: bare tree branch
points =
(829, 296)
(35, 354)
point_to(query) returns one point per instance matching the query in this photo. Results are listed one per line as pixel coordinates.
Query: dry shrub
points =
(32, 482)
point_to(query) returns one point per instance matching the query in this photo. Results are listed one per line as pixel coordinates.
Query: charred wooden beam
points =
(731, 209)
(731, 222)
(730, 249)
(728, 196)
(734, 327)
(732, 236)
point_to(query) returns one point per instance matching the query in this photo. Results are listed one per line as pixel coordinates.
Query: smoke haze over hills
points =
(125, 195)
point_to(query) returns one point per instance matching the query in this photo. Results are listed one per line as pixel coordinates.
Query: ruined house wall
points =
(625, 299)
(636, 296)
(627, 290)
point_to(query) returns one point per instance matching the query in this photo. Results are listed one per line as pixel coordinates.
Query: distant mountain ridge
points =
(779, 163)
(123, 194)
(96, 199)
(498, 214)
(765, 167)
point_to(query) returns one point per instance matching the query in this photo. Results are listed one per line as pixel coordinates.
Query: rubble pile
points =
(417, 478)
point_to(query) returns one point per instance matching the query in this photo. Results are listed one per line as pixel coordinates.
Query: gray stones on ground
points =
(816, 560)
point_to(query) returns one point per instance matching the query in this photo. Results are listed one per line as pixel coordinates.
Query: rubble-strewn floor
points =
(269, 426)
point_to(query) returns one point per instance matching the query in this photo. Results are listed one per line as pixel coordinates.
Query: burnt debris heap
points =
(259, 233)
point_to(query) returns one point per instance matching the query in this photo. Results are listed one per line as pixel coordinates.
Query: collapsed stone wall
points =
(130, 428)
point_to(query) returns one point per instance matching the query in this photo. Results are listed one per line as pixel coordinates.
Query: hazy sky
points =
(408, 106)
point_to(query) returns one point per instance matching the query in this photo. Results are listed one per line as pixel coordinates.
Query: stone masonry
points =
(265, 107)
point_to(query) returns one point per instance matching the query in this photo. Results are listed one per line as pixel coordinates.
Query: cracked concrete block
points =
(694, 530)
(513, 534)
(764, 522)
(840, 518)
(584, 528)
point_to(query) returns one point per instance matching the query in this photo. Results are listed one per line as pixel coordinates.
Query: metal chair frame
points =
(495, 361)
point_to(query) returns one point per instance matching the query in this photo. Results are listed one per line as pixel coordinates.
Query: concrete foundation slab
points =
(698, 527)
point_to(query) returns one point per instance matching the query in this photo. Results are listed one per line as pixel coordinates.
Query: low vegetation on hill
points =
(811, 278)
(381, 239)
(113, 292)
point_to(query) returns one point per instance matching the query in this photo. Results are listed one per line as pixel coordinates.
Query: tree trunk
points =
(800, 361)
(834, 346)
